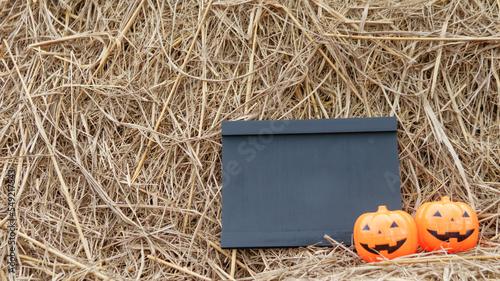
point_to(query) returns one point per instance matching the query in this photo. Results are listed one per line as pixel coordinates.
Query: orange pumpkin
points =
(452, 226)
(385, 234)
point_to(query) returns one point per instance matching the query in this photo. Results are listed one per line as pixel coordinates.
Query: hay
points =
(110, 115)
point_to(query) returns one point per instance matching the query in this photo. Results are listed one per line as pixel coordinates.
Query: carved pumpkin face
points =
(385, 234)
(452, 226)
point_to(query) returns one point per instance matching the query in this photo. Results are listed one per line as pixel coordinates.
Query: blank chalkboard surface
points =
(288, 183)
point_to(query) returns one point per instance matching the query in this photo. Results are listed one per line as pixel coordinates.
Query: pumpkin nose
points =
(452, 219)
(379, 232)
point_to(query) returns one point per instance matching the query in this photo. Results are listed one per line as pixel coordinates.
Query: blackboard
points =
(287, 183)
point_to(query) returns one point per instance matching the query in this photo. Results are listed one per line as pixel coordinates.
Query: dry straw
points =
(110, 116)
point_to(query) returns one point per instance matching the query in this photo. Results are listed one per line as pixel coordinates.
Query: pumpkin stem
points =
(382, 208)
(445, 199)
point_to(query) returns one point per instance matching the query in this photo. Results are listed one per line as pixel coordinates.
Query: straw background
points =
(110, 115)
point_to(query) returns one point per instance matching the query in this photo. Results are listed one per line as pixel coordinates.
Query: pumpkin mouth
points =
(384, 247)
(447, 235)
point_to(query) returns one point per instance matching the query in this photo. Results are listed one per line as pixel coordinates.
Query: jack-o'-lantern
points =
(385, 234)
(452, 226)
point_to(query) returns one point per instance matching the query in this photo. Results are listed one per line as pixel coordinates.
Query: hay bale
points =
(110, 117)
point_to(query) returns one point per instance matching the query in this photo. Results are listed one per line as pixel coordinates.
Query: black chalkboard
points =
(288, 183)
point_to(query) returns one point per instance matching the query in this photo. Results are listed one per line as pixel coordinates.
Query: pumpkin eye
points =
(437, 214)
(465, 215)
(366, 227)
(394, 224)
